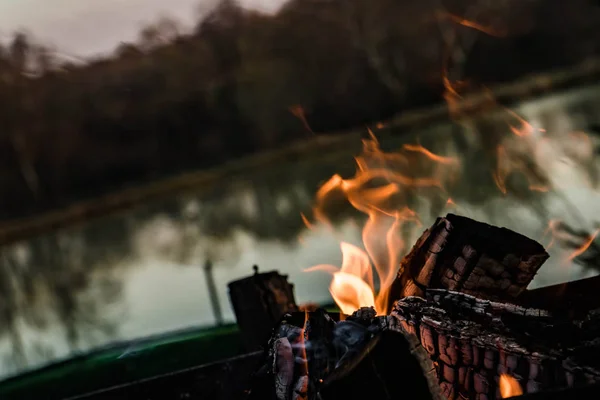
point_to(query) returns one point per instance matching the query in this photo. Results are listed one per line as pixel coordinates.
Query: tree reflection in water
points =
(60, 280)
(73, 281)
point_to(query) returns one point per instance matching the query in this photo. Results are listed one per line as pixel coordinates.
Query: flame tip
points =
(509, 386)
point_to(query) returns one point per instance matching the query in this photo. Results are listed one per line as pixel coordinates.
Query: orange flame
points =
(473, 24)
(380, 189)
(552, 229)
(525, 128)
(306, 221)
(298, 112)
(583, 248)
(384, 185)
(509, 386)
(509, 159)
(536, 188)
(429, 154)
(451, 203)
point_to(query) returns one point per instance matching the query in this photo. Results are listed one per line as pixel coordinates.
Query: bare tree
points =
(127, 50)
(43, 58)
(19, 51)
(160, 33)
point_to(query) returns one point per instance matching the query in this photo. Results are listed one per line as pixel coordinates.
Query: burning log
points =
(473, 341)
(450, 345)
(312, 356)
(570, 299)
(458, 330)
(259, 302)
(460, 254)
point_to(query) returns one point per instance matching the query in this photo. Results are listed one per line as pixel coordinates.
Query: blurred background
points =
(140, 143)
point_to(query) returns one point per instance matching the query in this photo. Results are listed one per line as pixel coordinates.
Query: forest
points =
(243, 82)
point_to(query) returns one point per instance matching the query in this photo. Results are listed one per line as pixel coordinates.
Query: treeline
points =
(242, 82)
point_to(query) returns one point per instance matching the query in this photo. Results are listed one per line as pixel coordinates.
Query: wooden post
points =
(212, 292)
(259, 301)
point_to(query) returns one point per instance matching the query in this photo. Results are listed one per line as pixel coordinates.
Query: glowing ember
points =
(509, 386)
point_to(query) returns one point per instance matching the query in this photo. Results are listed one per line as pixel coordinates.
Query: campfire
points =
(451, 317)
(453, 326)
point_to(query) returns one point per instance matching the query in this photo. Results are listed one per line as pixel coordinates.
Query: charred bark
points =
(464, 318)
(389, 370)
(570, 299)
(311, 356)
(259, 302)
(460, 254)
(472, 341)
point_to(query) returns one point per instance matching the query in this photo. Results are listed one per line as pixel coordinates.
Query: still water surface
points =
(141, 273)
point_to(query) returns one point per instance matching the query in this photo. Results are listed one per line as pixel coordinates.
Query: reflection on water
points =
(141, 273)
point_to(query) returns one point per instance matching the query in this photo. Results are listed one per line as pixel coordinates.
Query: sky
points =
(89, 27)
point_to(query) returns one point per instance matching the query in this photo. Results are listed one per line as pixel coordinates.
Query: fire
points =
(509, 386)
(429, 154)
(387, 184)
(450, 203)
(306, 221)
(472, 24)
(298, 112)
(381, 189)
(352, 285)
(524, 129)
(350, 292)
(559, 233)
(586, 245)
(553, 231)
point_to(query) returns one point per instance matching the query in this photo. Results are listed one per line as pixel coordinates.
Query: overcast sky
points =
(86, 27)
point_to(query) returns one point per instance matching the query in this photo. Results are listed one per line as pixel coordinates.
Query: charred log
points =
(460, 254)
(581, 392)
(472, 341)
(389, 370)
(463, 320)
(259, 302)
(571, 299)
(312, 356)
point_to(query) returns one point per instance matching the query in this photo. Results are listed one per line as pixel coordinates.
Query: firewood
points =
(570, 299)
(353, 359)
(460, 254)
(259, 301)
(581, 392)
(388, 371)
(472, 341)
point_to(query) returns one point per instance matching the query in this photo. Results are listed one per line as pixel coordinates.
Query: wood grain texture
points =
(460, 254)
(471, 341)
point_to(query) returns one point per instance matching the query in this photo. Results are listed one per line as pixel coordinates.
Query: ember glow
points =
(509, 386)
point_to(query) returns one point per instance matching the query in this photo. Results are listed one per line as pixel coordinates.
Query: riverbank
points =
(328, 145)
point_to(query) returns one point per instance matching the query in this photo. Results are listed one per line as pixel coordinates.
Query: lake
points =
(141, 273)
